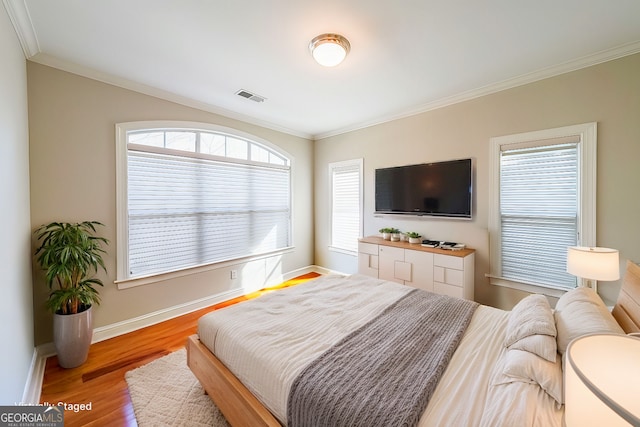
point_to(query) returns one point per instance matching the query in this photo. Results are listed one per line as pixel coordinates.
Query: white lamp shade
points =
(593, 263)
(602, 381)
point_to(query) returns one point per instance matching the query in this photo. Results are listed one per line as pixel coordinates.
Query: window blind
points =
(185, 211)
(539, 213)
(345, 205)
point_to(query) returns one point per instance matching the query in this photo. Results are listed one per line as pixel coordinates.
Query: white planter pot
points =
(415, 239)
(72, 335)
(386, 236)
(395, 237)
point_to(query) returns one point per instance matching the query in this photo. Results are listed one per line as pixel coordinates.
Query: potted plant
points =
(395, 235)
(414, 237)
(386, 233)
(70, 254)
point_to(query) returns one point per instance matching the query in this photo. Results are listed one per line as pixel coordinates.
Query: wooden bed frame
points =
(234, 400)
(241, 408)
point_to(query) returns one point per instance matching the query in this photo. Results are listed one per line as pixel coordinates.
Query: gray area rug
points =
(166, 393)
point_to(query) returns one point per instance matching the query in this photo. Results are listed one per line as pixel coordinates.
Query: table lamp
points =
(602, 381)
(593, 264)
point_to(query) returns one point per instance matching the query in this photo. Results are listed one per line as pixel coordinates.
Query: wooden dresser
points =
(441, 271)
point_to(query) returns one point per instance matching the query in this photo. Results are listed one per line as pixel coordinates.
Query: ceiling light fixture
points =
(329, 49)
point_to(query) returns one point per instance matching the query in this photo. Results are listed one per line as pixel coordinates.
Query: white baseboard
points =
(124, 327)
(305, 270)
(33, 387)
(120, 328)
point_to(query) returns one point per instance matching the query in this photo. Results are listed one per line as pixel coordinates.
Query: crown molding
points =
(73, 68)
(544, 73)
(21, 20)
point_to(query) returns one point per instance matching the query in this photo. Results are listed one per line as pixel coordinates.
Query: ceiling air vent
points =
(252, 96)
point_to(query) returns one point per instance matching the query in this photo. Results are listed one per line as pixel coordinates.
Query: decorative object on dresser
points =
(414, 237)
(593, 264)
(70, 255)
(385, 233)
(396, 236)
(433, 269)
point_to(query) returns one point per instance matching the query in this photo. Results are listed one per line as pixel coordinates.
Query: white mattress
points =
(267, 342)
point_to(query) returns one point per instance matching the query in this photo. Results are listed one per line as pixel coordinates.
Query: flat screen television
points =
(441, 189)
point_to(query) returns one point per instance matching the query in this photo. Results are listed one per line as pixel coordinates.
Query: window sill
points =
(154, 278)
(343, 251)
(527, 287)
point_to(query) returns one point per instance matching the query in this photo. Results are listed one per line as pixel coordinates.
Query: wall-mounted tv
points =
(441, 189)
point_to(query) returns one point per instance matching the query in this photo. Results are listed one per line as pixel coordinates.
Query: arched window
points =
(192, 194)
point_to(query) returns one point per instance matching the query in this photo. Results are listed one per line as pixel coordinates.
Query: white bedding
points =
(465, 395)
(268, 341)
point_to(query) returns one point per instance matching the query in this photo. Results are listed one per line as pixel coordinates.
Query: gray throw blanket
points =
(384, 373)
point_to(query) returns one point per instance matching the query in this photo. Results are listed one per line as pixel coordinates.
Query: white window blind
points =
(539, 213)
(542, 199)
(186, 207)
(346, 204)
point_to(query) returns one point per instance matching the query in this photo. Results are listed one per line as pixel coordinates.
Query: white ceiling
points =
(406, 56)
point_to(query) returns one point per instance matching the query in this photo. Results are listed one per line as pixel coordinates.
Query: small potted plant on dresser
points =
(70, 255)
(395, 235)
(414, 237)
(386, 233)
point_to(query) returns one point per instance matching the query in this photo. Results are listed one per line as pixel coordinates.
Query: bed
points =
(504, 369)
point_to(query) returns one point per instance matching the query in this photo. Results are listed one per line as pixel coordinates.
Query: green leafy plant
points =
(413, 234)
(70, 254)
(394, 231)
(385, 230)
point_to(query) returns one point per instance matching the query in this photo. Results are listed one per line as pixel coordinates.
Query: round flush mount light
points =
(329, 49)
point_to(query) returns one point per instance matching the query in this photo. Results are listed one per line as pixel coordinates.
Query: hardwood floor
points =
(99, 384)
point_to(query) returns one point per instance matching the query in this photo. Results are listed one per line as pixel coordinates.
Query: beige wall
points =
(16, 321)
(608, 93)
(72, 125)
(72, 161)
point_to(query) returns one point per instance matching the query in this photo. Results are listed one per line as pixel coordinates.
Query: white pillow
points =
(540, 345)
(531, 316)
(522, 366)
(581, 294)
(581, 312)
